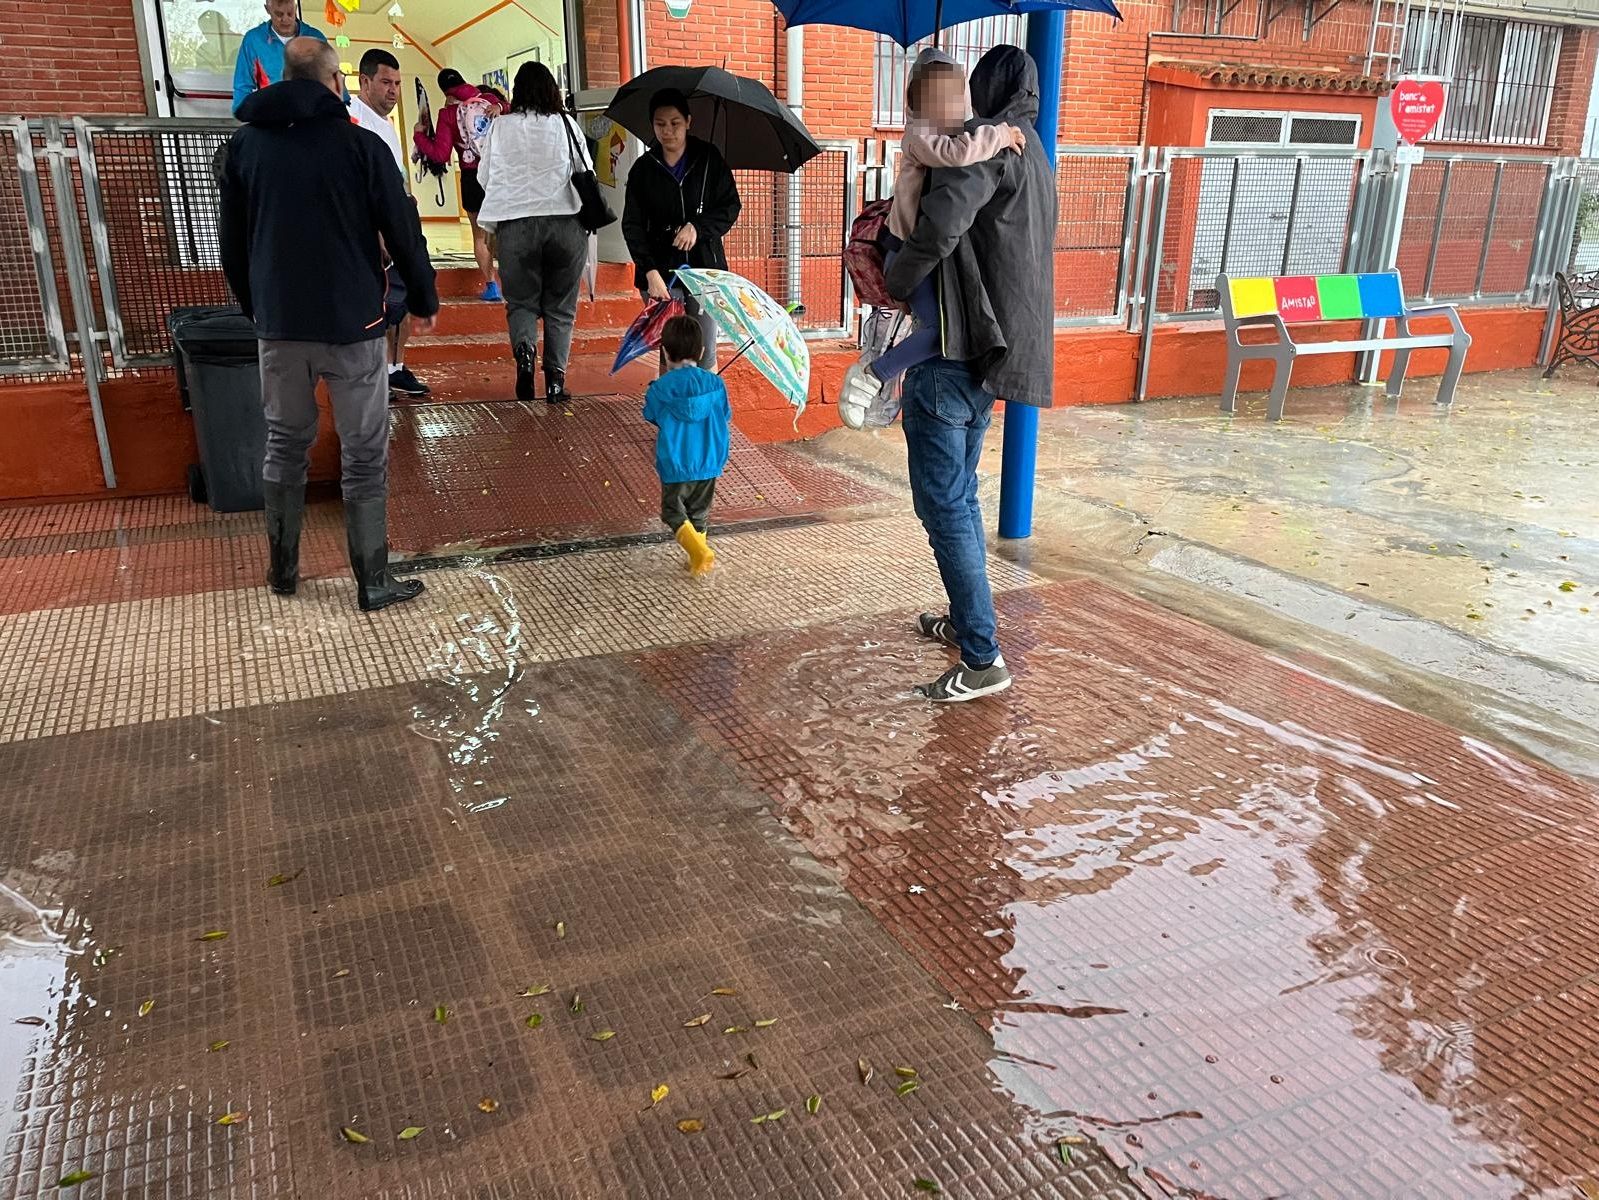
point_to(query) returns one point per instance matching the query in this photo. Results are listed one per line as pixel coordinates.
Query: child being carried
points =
(936, 105)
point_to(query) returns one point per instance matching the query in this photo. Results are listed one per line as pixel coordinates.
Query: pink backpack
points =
(863, 256)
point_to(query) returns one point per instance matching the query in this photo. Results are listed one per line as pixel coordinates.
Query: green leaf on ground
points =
(723, 992)
(658, 1093)
(232, 1118)
(1568, 586)
(927, 1185)
(280, 880)
(542, 989)
(906, 1088)
(212, 935)
(74, 1178)
(771, 1116)
(534, 1020)
(603, 1035)
(1065, 1153)
(409, 1132)
(488, 1104)
(736, 1029)
(560, 929)
(906, 1072)
(767, 1023)
(217, 1046)
(813, 1105)
(696, 1022)
(144, 1009)
(353, 1137)
(690, 1125)
(441, 1014)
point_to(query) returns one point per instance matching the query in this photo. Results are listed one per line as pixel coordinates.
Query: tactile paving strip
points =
(673, 882)
(1269, 936)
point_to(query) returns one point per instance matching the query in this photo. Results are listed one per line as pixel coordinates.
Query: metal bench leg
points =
(1457, 363)
(1279, 386)
(1229, 383)
(1396, 374)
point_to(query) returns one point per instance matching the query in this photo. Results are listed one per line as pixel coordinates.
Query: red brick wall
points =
(1574, 82)
(70, 59)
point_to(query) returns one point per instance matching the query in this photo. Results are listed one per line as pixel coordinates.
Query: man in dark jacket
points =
(681, 201)
(989, 231)
(306, 197)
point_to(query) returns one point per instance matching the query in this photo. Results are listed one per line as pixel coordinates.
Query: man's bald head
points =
(310, 58)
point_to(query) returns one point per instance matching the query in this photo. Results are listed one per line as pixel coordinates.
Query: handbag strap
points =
(578, 161)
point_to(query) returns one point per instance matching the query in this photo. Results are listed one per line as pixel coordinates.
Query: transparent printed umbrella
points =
(761, 328)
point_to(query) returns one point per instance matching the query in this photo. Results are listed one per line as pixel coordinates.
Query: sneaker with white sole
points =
(961, 683)
(856, 395)
(938, 629)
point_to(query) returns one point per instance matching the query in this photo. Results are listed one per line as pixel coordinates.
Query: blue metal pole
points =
(1046, 42)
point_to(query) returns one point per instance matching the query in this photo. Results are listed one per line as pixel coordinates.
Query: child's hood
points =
(688, 393)
(925, 59)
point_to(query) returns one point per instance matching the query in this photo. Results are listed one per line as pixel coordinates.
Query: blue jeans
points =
(946, 414)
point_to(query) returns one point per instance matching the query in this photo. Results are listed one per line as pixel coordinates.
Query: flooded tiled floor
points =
(1175, 916)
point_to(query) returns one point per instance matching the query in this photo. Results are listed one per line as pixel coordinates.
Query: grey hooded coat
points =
(989, 231)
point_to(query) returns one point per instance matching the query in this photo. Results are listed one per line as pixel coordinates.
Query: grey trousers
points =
(541, 266)
(358, 384)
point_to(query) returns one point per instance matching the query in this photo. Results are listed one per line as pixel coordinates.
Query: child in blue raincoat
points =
(689, 408)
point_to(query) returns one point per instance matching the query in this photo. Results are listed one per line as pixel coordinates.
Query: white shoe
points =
(857, 395)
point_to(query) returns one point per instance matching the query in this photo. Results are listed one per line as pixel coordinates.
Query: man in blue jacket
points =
(310, 201)
(260, 61)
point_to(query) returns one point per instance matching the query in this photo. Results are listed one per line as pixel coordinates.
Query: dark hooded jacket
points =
(657, 206)
(989, 231)
(305, 196)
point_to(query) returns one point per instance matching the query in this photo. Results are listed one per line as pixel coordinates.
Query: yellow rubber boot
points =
(707, 555)
(693, 543)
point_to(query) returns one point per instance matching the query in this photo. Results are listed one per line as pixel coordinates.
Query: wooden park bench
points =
(1275, 303)
(1579, 320)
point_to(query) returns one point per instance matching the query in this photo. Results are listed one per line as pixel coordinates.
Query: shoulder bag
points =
(593, 213)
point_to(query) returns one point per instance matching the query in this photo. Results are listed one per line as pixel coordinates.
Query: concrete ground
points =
(581, 877)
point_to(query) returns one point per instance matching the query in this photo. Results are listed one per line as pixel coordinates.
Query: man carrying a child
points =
(983, 235)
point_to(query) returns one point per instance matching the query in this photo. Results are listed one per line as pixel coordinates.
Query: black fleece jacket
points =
(306, 196)
(658, 206)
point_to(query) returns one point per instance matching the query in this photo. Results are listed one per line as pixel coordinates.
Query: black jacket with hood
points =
(657, 206)
(306, 195)
(989, 230)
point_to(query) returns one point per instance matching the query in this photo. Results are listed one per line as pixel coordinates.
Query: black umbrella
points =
(739, 116)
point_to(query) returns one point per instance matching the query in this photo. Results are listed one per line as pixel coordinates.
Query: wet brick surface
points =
(1266, 935)
(460, 475)
(669, 875)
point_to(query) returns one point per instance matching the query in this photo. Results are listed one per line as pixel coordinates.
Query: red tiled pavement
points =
(460, 475)
(1265, 934)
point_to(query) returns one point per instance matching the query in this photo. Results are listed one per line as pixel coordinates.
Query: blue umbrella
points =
(909, 21)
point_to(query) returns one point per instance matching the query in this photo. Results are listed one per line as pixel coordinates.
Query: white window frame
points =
(1287, 117)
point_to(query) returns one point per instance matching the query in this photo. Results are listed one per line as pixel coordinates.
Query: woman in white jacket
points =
(531, 207)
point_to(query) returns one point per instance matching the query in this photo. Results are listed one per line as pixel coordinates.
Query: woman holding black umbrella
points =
(681, 202)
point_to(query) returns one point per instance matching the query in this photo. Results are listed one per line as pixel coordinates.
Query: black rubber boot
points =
(555, 387)
(285, 513)
(527, 359)
(366, 528)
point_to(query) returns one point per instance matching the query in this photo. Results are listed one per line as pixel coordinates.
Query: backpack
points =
(472, 119)
(863, 256)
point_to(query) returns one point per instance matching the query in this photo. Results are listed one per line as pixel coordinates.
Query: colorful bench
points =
(1297, 299)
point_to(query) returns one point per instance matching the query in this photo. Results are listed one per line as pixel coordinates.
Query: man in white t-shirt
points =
(370, 109)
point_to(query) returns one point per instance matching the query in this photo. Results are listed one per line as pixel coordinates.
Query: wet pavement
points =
(1226, 907)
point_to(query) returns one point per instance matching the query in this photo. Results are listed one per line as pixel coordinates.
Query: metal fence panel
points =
(788, 237)
(1095, 190)
(1259, 212)
(1471, 226)
(32, 335)
(152, 202)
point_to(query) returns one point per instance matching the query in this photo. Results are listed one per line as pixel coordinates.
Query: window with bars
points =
(965, 43)
(1501, 75)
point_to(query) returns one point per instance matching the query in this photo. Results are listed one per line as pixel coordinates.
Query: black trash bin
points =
(219, 379)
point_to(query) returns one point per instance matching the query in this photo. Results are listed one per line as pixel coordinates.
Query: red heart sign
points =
(1416, 106)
